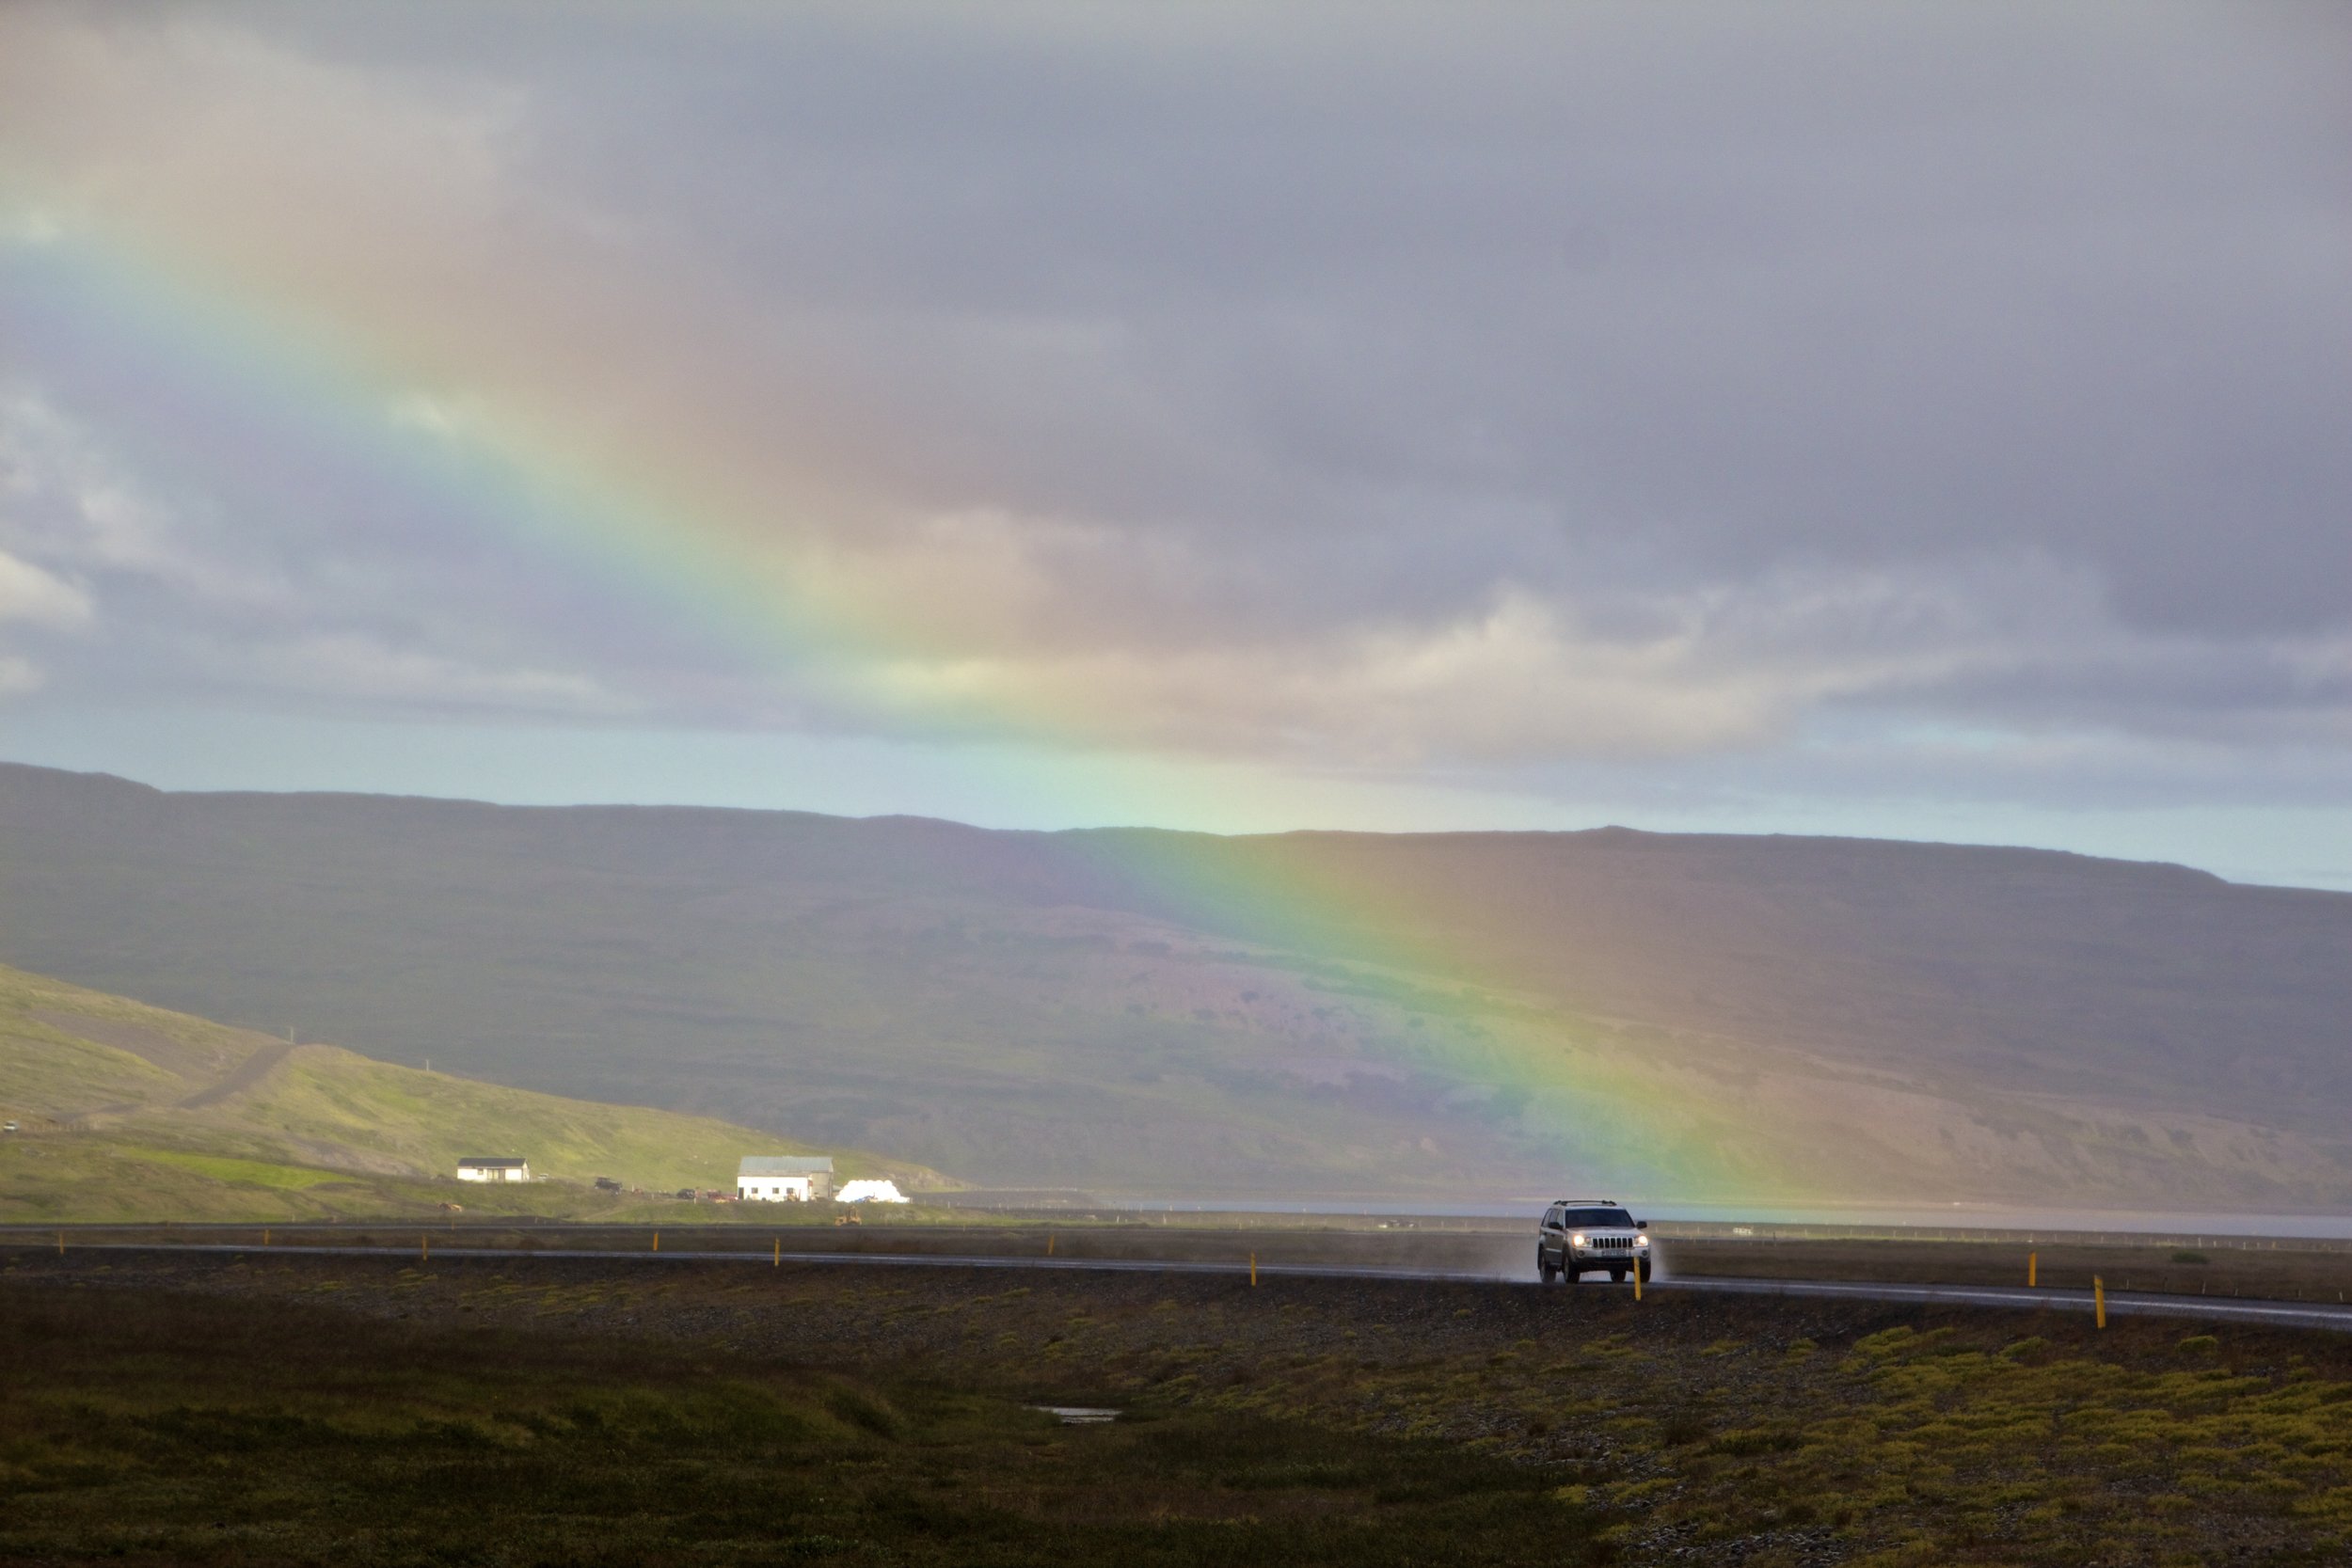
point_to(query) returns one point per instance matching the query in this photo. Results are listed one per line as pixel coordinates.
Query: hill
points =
(1276, 1016)
(126, 1111)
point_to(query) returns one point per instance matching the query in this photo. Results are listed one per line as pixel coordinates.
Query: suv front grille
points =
(1609, 1244)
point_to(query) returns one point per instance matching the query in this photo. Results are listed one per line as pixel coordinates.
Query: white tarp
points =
(863, 1191)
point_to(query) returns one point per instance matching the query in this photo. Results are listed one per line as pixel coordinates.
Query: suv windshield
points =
(1597, 1219)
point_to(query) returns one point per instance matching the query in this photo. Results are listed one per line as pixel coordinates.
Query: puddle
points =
(1078, 1415)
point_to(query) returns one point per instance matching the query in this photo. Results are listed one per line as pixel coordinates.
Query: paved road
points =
(2120, 1304)
(2287, 1314)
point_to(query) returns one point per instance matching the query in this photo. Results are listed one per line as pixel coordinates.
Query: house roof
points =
(501, 1161)
(786, 1164)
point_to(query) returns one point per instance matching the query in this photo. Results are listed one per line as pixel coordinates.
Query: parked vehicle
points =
(1585, 1235)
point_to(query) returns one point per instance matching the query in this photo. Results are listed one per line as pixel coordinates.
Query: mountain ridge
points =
(18, 775)
(1146, 1010)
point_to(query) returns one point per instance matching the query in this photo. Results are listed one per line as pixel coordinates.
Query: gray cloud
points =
(1495, 388)
(1709, 297)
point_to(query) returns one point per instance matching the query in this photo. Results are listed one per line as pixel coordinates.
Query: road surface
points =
(2120, 1304)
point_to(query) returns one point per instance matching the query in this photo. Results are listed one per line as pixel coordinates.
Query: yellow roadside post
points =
(62, 1243)
(424, 1248)
(657, 1240)
(779, 1258)
(2033, 1268)
(1049, 1244)
(266, 1235)
(1637, 1279)
(2099, 1299)
(1253, 1270)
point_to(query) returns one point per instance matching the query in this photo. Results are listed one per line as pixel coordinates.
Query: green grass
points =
(201, 1133)
(242, 1173)
(99, 1177)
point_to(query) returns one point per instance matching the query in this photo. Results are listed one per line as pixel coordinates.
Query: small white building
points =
(784, 1178)
(475, 1167)
(864, 1190)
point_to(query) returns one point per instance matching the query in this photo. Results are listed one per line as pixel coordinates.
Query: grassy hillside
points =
(126, 1111)
(1300, 1014)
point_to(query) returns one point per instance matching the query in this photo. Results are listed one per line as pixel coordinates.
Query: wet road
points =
(2120, 1304)
(2286, 1314)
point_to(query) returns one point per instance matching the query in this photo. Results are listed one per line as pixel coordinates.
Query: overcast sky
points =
(1932, 422)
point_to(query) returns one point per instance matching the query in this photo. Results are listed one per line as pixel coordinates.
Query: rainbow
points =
(689, 547)
(1596, 1103)
(261, 372)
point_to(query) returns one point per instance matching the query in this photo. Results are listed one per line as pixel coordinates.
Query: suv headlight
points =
(1641, 1240)
(1576, 1240)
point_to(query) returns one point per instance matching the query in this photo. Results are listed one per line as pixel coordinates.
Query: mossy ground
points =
(154, 1427)
(1286, 1423)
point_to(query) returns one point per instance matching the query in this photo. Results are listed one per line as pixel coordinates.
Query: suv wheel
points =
(1569, 1269)
(1645, 1271)
(1544, 1270)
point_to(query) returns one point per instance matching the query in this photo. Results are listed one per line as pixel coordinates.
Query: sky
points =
(1925, 421)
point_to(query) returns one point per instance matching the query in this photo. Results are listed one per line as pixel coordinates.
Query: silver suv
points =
(1587, 1234)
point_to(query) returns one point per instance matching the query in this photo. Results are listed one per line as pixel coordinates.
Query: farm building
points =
(784, 1178)
(475, 1167)
(865, 1191)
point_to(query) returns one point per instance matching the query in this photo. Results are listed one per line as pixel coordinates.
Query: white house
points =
(477, 1168)
(784, 1178)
